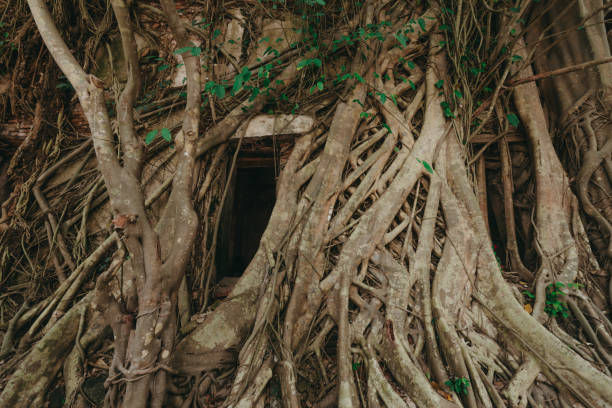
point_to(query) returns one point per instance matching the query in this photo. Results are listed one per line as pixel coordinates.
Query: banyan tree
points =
(306, 203)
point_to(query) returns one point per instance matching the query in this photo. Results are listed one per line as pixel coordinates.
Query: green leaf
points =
(458, 94)
(383, 97)
(410, 64)
(528, 294)
(412, 85)
(216, 33)
(387, 127)
(446, 109)
(513, 119)
(220, 91)
(210, 86)
(195, 51)
(165, 133)
(163, 67)
(427, 167)
(439, 84)
(364, 115)
(320, 85)
(516, 58)
(237, 85)
(421, 22)
(246, 74)
(402, 39)
(152, 57)
(271, 50)
(355, 366)
(312, 61)
(254, 94)
(150, 136)
(359, 78)
(458, 385)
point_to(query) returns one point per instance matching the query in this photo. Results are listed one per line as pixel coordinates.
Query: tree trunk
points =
(440, 236)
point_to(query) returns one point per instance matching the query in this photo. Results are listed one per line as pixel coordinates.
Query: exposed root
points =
(379, 280)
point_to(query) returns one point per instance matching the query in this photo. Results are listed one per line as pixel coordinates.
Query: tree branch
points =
(179, 211)
(561, 71)
(57, 47)
(132, 147)
(89, 91)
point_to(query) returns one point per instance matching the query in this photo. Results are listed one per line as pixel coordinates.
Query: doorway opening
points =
(254, 197)
(246, 211)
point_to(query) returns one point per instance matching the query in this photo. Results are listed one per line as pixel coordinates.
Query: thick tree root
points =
(34, 375)
(375, 282)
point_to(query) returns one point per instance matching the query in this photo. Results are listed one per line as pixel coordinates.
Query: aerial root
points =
(379, 386)
(592, 159)
(34, 374)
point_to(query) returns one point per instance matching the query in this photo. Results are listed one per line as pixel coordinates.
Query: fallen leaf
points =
(440, 391)
(528, 308)
(120, 221)
(445, 395)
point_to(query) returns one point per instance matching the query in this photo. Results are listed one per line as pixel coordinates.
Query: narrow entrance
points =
(246, 212)
(253, 203)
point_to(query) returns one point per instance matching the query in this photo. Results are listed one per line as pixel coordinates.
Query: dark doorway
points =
(246, 213)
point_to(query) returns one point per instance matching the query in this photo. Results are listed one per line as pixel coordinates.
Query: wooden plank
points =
(481, 178)
(253, 162)
(486, 138)
(272, 125)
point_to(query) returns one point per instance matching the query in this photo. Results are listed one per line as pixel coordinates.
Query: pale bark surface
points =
(440, 235)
